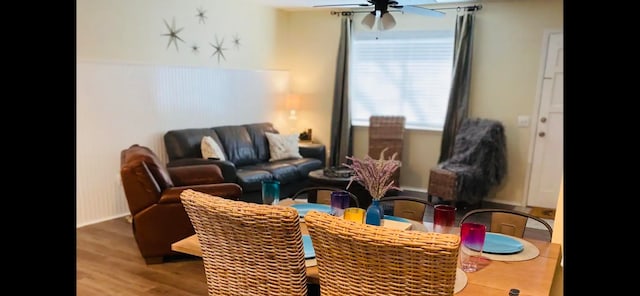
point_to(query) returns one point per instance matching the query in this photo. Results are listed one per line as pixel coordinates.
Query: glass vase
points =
(374, 213)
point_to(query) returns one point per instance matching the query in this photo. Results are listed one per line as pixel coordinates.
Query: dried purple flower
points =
(375, 175)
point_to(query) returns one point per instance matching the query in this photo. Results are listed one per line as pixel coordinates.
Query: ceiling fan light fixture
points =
(387, 21)
(369, 20)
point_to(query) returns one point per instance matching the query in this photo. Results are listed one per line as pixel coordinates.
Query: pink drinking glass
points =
(444, 216)
(472, 239)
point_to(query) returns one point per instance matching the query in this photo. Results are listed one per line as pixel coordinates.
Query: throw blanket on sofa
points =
(479, 158)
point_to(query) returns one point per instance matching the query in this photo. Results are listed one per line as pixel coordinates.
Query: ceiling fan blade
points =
(422, 11)
(345, 5)
(416, 2)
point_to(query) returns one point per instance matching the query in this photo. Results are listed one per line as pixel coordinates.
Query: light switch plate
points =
(523, 121)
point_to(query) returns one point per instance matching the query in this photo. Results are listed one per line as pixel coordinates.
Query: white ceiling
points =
(293, 4)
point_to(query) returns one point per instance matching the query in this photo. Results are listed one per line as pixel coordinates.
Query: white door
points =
(547, 161)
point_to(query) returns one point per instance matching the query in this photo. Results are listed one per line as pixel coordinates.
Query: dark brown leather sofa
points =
(247, 164)
(153, 195)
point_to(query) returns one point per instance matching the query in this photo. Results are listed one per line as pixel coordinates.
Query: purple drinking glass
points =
(339, 202)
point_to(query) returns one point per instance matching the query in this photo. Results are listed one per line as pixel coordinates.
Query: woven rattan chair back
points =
(387, 132)
(359, 259)
(442, 184)
(248, 249)
(410, 207)
(506, 221)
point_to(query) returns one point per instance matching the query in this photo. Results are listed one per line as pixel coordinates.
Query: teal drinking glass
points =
(270, 192)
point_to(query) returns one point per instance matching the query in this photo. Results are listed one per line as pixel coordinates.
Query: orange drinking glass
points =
(354, 214)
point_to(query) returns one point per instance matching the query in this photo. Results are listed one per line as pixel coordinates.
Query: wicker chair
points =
(248, 249)
(387, 132)
(359, 259)
(478, 163)
(509, 222)
(409, 207)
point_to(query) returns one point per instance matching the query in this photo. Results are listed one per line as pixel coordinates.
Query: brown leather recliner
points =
(153, 195)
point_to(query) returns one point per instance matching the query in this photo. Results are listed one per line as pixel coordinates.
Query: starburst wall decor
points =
(201, 15)
(218, 49)
(236, 41)
(173, 33)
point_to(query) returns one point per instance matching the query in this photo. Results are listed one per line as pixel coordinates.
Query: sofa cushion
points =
(251, 179)
(185, 143)
(283, 146)
(237, 143)
(305, 165)
(281, 171)
(211, 149)
(257, 133)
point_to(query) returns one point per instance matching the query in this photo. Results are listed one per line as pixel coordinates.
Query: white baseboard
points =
(102, 220)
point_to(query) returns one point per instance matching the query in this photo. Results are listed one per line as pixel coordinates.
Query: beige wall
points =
(507, 51)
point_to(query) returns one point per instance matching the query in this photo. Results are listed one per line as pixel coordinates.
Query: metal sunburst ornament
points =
(236, 41)
(201, 15)
(173, 33)
(218, 49)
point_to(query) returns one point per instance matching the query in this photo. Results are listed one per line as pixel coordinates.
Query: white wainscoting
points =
(120, 104)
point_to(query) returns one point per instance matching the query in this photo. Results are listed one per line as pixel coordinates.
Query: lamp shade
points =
(369, 20)
(292, 103)
(387, 21)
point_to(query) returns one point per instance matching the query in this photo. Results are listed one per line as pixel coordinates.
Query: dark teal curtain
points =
(341, 131)
(458, 107)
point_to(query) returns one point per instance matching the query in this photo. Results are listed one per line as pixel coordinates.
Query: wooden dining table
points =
(531, 277)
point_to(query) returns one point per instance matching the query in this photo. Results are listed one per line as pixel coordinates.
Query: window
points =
(401, 73)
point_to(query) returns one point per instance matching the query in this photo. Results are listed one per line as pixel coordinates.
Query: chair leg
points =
(466, 206)
(153, 260)
(313, 290)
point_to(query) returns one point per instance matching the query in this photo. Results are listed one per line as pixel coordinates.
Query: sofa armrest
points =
(227, 167)
(317, 151)
(226, 190)
(195, 175)
(228, 170)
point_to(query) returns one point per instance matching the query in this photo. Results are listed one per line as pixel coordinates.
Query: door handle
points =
(543, 119)
(541, 134)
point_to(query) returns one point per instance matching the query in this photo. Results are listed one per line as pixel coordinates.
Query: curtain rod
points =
(350, 12)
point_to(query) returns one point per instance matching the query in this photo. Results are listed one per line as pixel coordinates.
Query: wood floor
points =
(108, 263)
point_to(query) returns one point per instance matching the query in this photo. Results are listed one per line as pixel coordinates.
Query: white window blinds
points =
(401, 73)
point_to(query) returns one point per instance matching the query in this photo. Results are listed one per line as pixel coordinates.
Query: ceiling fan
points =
(381, 11)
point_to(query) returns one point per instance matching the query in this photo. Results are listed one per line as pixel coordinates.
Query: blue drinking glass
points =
(270, 192)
